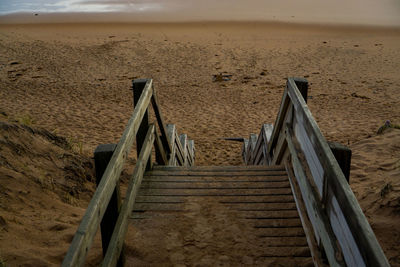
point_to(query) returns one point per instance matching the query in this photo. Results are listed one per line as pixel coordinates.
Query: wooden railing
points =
(332, 218)
(105, 207)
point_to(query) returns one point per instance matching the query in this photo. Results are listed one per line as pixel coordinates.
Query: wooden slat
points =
(259, 154)
(179, 151)
(215, 192)
(83, 238)
(291, 252)
(221, 174)
(307, 226)
(266, 132)
(280, 149)
(281, 117)
(275, 232)
(252, 148)
(160, 120)
(183, 141)
(248, 200)
(102, 156)
(311, 156)
(341, 229)
(279, 125)
(257, 151)
(171, 134)
(213, 184)
(244, 150)
(283, 241)
(275, 223)
(216, 169)
(317, 217)
(160, 152)
(269, 215)
(117, 239)
(365, 238)
(191, 151)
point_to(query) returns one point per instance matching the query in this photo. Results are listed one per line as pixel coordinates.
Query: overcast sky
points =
(380, 12)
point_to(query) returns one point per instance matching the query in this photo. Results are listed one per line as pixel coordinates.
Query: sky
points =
(372, 12)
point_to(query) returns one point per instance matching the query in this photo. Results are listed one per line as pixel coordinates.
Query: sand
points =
(74, 79)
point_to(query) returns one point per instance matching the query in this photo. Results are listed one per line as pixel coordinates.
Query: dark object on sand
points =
(236, 139)
(222, 77)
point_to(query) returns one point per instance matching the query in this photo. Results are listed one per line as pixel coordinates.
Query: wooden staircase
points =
(296, 209)
(245, 213)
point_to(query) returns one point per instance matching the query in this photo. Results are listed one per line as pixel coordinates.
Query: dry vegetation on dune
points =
(74, 81)
(44, 189)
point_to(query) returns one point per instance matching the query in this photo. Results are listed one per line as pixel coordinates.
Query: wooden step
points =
(248, 209)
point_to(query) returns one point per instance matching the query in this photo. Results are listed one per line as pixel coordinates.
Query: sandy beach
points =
(74, 80)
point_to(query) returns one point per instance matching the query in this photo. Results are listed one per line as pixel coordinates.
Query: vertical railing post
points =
(302, 85)
(138, 86)
(343, 156)
(102, 156)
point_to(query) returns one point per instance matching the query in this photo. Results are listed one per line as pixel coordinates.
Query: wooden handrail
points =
(138, 122)
(117, 239)
(322, 185)
(83, 238)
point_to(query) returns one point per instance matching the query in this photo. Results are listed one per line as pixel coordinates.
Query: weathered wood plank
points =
(275, 232)
(161, 156)
(102, 156)
(213, 179)
(280, 148)
(279, 122)
(266, 132)
(83, 238)
(365, 238)
(160, 120)
(214, 185)
(291, 252)
(244, 150)
(307, 226)
(241, 168)
(191, 152)
(315, 212)
(252, 148)
(345, 237)
(171, 135)
(214, 192)
(342, 155)
(183, 141)
(311, 156)
(283, 241)
(302, 86)
(117, 239)
(245, 200)
(257, 150)
(138, 87)
(275, 223)
(221, 174)
(179, 150)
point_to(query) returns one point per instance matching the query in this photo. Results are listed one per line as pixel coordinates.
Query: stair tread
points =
(250, 208)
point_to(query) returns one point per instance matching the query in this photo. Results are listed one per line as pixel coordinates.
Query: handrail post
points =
(138, 86)
(102, 156)
(342, 155)
(302, 85)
